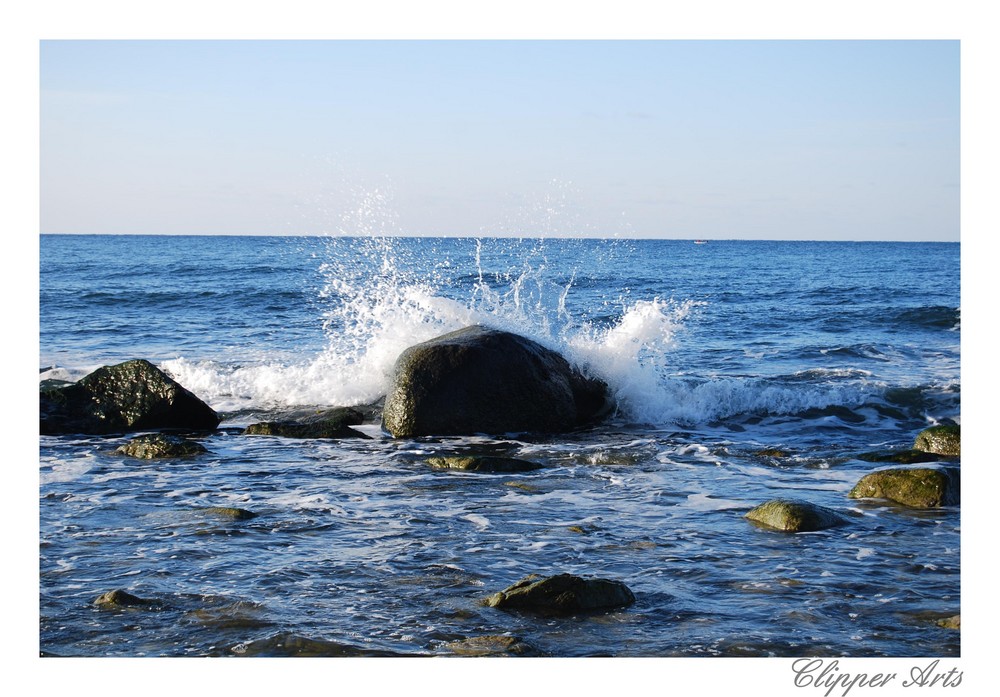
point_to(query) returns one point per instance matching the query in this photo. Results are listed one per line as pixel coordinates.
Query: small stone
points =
(159, 445)
(953, 622)
(119, 599)
(562, 594)
(228, 512)
(484, 463)
(491, 645)
(789, 515)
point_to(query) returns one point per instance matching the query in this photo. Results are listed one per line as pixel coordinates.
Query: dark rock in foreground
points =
(130, 396)
(788, 515)
(917, 487)
(562, 594)
(159, 445)
(293, 645)
(483, 463)
(492, 645)
(119, 599)
(480, 380)
(331, 423)
(942, 440)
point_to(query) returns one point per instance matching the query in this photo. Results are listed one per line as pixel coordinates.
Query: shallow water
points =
(715, 352)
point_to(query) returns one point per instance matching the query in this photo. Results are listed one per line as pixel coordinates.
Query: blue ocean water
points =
(714, 352)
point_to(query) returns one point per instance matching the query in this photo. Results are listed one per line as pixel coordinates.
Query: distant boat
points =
(701, 241)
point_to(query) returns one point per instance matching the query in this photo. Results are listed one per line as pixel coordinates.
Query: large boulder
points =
(481, 380)
(941, 440)
(789, 515)
(916, 487)
(130, 396)
(562, 594)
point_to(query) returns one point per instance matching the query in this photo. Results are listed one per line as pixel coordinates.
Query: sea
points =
(741, 371)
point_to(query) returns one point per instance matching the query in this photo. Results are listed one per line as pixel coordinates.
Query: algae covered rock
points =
(120, 599)
(159, 445)
(942, 440)
(229, 513)
(481, 380)
(562, 594)
(483, 463)
(330, 423)
(916, 487)
(492, 645)
(901, 457)
(130, 396)
(288, 645)
(788, 515)
(953, 622)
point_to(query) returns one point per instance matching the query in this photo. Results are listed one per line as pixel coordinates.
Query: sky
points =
(713, 139)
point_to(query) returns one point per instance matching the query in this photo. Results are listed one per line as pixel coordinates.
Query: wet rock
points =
(942, 440)
(916, 487)
(902, 457)
(954, 622)
(159, 445)
(492, 645)
(487, 463)
(228, 513)
(562, 594)
(773, 452)
(789, 515)
(330, 423)
(120, 599)
(480, 380)
(288, 645)
(130, 396)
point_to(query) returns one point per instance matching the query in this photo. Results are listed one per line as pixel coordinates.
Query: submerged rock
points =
(228, 512)
(483, 463)
(481, 380)
(130, 396)
(492, 645)
(331, 423)
(902, 457)
(954, 622)
(288, 645)
(942, 440)
(159, 445)
(789, 515)
(562, 594)
(119, 599)
(916, 487)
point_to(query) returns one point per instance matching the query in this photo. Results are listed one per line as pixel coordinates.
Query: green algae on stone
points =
(483, 463)
(942, 440)
(789, 515)
(916, 487)
(492, 645)
(562, 594)
(159, 445)
(902, 457)
(119, 599)
(229, 512)
(954, 622)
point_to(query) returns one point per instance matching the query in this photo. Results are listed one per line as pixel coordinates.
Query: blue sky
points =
(673, 139)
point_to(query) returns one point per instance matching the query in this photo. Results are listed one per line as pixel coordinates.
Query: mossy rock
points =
(788, 515)
(916, 487)
(159, 445)
(562, 594)
(954, 622)
(773, 452)
(117, 599)
(492, 645)
(331, 423)
(483, 463)
(288, 645)
(228, 512)
(942, 440)
(901, 457)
